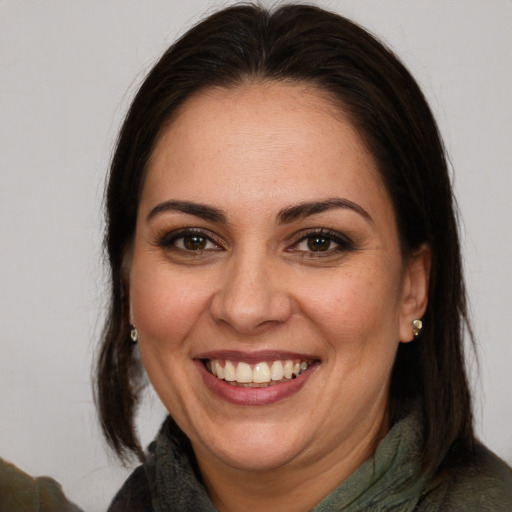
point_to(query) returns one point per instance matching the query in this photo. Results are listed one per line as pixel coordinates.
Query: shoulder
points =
(483, 483)
(135, 494)
(20, 491)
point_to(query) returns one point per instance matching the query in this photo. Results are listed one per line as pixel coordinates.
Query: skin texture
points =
(253, 151)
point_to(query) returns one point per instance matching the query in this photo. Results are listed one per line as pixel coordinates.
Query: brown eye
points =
(194, 242)
(322, 243)
(318, 243)
(189, 241)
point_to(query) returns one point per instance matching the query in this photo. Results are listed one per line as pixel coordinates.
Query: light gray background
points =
(67, 72)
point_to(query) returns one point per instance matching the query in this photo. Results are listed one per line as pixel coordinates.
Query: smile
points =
(262, 374)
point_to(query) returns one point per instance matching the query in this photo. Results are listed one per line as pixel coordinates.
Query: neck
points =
(295, 487)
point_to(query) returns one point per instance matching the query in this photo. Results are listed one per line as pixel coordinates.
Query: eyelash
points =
(343, 243)
(168, 240)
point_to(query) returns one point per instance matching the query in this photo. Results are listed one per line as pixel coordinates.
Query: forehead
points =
(268, 137)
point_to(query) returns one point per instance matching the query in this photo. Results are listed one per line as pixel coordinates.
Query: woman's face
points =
(266, 280)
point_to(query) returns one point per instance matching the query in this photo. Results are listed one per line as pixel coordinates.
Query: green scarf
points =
(390, 480)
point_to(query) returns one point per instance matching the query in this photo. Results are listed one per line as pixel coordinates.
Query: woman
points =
(284, 254)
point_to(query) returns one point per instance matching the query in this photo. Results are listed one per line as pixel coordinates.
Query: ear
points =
(414, 291)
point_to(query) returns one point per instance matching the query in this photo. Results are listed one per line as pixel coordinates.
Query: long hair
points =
(305, 44)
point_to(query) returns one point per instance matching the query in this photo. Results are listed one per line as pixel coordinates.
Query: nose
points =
(252, 296)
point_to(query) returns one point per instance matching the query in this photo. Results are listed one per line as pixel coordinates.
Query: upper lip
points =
(254, 356)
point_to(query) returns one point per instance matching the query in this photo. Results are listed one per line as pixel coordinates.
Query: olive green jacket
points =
(20, 492)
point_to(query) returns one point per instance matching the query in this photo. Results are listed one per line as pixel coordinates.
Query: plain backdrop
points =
(68, 69)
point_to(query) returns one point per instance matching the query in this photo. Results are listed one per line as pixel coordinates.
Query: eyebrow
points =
(202, 211)
(306, 209)
(285, 216)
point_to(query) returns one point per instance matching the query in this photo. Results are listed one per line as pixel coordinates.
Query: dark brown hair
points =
(300, 43)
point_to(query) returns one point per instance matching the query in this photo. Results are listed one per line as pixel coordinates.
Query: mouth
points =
(258, 378)
(257, 375)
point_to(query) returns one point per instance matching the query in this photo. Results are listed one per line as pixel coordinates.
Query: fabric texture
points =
(19, 492)
(390, 480)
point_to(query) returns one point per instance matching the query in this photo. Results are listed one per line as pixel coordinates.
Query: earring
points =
(134, 335)
(417, 326)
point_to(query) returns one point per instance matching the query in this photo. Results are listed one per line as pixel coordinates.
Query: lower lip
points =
(254, 396)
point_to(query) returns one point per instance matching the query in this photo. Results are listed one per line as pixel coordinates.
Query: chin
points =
(257, 459)
(263, 450)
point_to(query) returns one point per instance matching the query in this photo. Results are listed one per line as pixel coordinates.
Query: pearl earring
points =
(134, 335)
(417, 326)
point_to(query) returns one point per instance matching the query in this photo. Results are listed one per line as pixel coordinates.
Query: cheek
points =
(356, 308)
(166, 305)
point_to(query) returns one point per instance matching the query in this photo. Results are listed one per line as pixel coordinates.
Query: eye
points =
(194, 243)
(189, 240)
(316, 243)
(321, 243)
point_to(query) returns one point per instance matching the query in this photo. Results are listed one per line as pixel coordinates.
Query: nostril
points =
(251, 312)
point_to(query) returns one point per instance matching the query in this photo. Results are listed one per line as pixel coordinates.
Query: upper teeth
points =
(263, 372)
